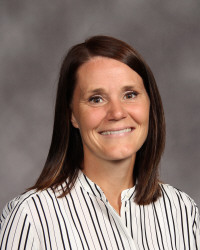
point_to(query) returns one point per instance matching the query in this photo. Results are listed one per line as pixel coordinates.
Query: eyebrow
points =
(129, 87)
(96, 91)
(102, 91)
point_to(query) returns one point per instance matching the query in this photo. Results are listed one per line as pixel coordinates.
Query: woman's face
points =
(110, 107)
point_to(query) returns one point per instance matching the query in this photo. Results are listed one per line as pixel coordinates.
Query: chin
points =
(118, 155)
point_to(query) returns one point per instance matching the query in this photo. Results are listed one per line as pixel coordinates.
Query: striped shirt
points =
(84, 219)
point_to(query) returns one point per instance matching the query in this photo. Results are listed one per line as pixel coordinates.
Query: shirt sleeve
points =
(16, 229)
(196, 229)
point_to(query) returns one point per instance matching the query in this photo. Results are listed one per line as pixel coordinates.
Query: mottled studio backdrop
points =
(34, 36)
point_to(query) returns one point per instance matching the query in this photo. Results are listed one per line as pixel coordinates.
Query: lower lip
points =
(118, 134)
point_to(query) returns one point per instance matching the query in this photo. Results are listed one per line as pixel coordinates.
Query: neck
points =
(111, 176)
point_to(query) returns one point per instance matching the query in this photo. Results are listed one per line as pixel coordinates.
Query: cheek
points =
(90, 118)
(141, 114)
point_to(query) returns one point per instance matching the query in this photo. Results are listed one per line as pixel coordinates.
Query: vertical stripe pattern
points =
(84, 219)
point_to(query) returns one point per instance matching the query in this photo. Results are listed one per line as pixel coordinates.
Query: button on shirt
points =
(84, 219)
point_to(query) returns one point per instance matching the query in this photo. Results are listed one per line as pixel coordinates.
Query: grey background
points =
(34, 36)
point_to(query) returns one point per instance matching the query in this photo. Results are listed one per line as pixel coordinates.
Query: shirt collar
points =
(93, 189)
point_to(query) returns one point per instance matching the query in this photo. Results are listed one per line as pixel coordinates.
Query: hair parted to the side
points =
(66, 152)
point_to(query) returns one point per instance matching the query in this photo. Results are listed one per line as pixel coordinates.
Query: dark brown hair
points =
(66, 151)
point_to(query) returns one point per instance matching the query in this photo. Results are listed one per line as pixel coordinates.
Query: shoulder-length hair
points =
(66, 151)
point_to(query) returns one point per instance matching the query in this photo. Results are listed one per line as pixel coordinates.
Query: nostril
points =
(116, 112)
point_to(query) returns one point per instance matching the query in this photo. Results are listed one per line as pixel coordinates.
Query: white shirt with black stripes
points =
(84, 219)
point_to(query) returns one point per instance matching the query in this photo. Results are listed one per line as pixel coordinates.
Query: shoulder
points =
(179, 199)
(26, 204)
(26, 215)
(15, 204)
(23, 218)
(175, 193)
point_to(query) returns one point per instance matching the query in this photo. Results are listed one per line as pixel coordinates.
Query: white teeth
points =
(116, 132)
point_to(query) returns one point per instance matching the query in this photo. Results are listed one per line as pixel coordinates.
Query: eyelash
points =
(131, 93)
(93, 99)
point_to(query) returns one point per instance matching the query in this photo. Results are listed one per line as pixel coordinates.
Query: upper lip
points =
(116, 129)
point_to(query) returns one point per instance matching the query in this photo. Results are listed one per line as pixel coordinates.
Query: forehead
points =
(106, 71)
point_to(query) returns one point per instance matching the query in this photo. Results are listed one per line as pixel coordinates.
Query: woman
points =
(99, 188)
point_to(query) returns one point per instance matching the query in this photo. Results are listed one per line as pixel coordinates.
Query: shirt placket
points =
(120, 222)
(95, 190)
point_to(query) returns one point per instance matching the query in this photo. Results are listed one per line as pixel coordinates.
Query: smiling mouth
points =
(115, 132)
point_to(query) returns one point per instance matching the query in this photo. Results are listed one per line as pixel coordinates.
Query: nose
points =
(116, 111)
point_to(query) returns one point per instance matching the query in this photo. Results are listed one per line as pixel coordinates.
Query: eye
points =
(95, 99)
(130, 95)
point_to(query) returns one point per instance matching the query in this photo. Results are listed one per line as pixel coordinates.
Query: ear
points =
(74, 121)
